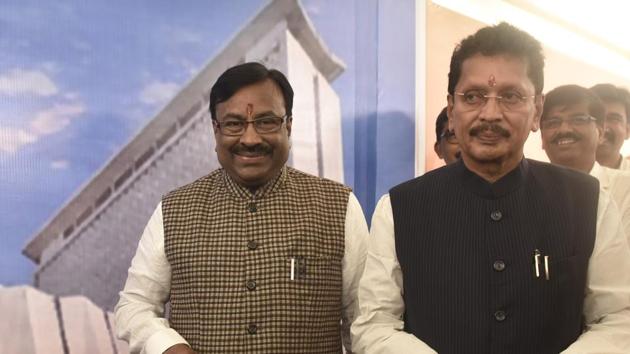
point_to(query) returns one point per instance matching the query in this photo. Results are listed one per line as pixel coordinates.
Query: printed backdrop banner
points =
(105, 109)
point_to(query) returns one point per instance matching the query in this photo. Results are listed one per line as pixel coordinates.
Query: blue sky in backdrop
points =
(78, 79)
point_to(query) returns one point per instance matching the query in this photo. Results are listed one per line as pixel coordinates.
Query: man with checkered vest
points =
(256, 257)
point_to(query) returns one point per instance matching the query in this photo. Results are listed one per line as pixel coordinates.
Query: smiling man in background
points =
(571, 127)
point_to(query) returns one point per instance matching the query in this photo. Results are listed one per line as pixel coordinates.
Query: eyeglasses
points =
(615, 119)
(574, 121)
(508, 101)
(449, 136)
(262, 125)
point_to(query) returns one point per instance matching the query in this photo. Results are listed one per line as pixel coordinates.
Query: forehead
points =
(262, 96)
(479, 71)
(615, 107)
(568, 110)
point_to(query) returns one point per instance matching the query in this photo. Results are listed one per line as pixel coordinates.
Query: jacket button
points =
(252, 329)
(252, 245)
(499, 265)
(500, 316)
(252, 207)
(251, 285)
(496, 215)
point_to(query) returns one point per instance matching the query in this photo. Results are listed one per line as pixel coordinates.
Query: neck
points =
(492, 170)
(610, 161)
(588, 166)
(583, 166)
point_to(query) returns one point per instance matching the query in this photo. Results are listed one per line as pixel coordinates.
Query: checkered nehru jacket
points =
(231, 253)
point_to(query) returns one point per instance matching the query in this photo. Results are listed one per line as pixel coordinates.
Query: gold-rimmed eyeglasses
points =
(508, 101)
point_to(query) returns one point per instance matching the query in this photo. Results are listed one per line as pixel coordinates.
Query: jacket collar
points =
(500, 188)
(243, 192)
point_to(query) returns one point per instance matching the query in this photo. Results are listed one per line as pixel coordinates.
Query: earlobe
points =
(289, 124)
(215, 128)
(538, 103)
(449, 112)
(437, 149)
(535, 125)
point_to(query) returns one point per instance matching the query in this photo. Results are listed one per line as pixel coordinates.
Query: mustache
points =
(559, 136)
(251, 150)
(493, 127)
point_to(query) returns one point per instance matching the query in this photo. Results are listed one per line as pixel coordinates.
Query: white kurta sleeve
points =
(379, 327)
(607, 298)
(356, 243)
(139, 313)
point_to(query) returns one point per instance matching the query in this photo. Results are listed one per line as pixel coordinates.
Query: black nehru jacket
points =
(466, 248)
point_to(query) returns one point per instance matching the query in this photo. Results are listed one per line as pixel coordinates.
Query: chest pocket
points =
(562, 297)
(310, 299)
(568, 280)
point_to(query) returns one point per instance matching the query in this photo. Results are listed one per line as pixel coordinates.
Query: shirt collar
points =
(505, 185)
(601, 173)
(619, 162)
(243, 192)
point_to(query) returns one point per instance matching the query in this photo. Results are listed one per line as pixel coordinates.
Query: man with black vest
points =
(255, 257)
(495, 253)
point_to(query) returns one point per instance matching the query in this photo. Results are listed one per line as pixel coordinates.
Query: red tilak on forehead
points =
(250, 109)
(492, 81)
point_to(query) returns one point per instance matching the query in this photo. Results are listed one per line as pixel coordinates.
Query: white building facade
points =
(86, 248)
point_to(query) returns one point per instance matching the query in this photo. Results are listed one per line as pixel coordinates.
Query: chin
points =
(488, 155)
(563, 161)
(606, 150)
(251, 179)
(256, 174)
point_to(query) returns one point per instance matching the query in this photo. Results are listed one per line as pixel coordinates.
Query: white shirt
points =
(140, 311)
(379, 327)
(617, 184)
(625, 163)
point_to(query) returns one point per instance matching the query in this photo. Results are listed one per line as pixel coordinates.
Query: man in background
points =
(571, 127)
(445, 141)
(617, 127)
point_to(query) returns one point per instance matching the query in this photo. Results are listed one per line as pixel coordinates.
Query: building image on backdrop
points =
(383, 104)
(87, 246)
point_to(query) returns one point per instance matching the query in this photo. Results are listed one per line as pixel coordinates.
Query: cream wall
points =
(445, 29)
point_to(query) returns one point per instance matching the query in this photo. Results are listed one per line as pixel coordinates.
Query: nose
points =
(490, 110)
(564, 126)
(607, 127)
(250, 136)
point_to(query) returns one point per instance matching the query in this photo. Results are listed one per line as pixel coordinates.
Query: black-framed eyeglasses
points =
(574, 121)
(508, 101)
(263, 125)
(449, 136)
